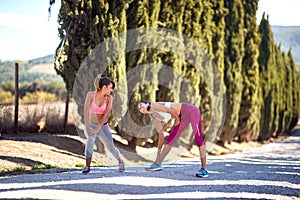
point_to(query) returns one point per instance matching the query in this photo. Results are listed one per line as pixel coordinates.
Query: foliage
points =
(234, 53)
(259, 78)
(7, 71)
(249, 113)
(6, 97)
(39, 96)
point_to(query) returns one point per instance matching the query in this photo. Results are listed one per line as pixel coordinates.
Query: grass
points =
(23, 170)
(16, 170)
(43, 166)
(39, 117)
(81, 165)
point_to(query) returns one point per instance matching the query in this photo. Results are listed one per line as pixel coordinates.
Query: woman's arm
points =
(107, 112)
(87, 106)
(161, 137)
(171, 111)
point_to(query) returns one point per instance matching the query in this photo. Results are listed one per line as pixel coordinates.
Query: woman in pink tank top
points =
(184, 114)
(97, 108)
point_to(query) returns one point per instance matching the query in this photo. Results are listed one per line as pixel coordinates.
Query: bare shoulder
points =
(109, 98)
(159, 106)
(90, 94)
(168, 104)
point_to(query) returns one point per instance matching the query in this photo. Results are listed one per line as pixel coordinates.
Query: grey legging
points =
(105, 136)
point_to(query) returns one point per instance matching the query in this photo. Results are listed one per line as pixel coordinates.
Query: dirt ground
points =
(67, 152)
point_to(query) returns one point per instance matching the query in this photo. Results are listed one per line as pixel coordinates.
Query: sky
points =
(27, 33)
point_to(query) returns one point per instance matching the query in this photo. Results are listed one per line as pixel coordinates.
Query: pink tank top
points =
(97, 109)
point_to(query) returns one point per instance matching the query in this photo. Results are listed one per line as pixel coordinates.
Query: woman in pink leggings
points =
(184, 114)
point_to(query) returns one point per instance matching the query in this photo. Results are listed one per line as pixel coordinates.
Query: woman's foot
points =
(154, 167)
(86, 170)
(121, 166)
(202, 173)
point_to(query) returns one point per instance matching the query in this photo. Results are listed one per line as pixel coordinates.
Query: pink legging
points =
(188, 114)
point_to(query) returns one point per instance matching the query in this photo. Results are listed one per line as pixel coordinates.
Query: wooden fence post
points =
(16, 127)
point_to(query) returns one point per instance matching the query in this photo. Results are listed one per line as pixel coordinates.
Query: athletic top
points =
(97, 109)
(166, 116)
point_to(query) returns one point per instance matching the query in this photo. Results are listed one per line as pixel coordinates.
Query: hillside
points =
(30, 71)
(288, 37)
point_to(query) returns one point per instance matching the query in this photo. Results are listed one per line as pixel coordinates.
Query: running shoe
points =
(121, 166)
(202, 173)
(86, 170)
(154, 167)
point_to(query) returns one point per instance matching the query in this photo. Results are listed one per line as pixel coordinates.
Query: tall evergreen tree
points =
(280, 93)
(234, 52)
(143, 83)
(295, 91)
(266, 69)
(84, 25)
(217, 106)
(249, 115)
(74, 31)
(171, 17)
(288, 92)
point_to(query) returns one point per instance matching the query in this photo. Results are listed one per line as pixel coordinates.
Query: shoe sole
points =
(85, 172)
(153, 169)
(202, 176)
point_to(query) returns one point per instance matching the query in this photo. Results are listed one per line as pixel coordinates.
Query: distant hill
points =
(30, 71)
(288, 37)
(42, 60)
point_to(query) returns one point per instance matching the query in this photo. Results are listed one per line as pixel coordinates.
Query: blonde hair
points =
(96, 82)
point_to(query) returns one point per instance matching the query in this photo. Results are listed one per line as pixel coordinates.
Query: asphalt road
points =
(271, 171)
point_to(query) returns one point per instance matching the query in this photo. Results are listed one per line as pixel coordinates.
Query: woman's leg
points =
(196, 123)
(106, 137)
(174, 134)
(202, 152)
(164, 152)
(89, 149)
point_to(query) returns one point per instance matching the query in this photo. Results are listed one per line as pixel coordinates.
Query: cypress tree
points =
(288, 92)
(84, 25)
(74, 31)
(99, 23)
(280, 93)
(171, 17)
(218, 96)
(142, 85)
(249, 114)
(295, 92)
(234, 52)
(266, 69)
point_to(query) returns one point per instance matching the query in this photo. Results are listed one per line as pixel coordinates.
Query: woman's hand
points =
(92, 133)
(177, 121)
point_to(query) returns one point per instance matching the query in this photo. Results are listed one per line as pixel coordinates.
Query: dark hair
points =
(100, 81)
(106, 81)
(149, 104)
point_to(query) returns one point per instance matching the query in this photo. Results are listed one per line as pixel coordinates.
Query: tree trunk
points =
(66, 113)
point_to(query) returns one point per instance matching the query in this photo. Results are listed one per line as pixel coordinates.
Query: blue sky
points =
(26, 33)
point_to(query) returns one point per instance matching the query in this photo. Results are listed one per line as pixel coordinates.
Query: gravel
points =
(271, 171)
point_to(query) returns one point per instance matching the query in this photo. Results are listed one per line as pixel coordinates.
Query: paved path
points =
(268, 172)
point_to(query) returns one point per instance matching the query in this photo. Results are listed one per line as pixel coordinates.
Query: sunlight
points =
(65, 194)
(148, 182)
